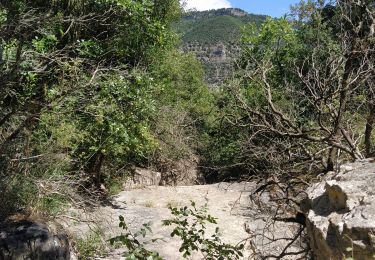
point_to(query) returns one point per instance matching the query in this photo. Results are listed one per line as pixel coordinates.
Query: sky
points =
(274, 8)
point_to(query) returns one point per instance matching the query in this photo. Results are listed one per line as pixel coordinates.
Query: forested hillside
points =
(216, 26)
(91, 91)
(214, 36)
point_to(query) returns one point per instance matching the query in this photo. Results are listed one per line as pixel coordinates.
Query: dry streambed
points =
(239, 219)
(339, 216)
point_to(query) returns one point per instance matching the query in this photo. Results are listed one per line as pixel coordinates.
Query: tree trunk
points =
(332, 159)
(333, 152)
(95, 167)
(368, 131)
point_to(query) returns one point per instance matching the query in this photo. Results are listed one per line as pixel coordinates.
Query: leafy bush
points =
(88, 247)
(17, 193)
(184, 108)
(135, 248)
(78, 88)
(190, 226)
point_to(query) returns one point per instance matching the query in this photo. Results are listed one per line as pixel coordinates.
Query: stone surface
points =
(184, 172)
(143, 178)
(270, 239)
(238, 218)
(216, 58)
(28, 240)
(341, 213)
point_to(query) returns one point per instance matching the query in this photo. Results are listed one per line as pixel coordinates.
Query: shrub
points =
(190, 226)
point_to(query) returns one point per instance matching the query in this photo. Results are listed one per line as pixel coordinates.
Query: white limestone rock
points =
(340, 213)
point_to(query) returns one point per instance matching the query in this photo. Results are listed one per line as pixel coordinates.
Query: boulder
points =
(28, 240)
(141, 178)
(340, 212)
(183, 172)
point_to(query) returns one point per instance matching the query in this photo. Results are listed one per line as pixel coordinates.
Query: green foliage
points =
(215, 26)
(190, 226)
(88, 247)
(77, 84)
(44, 44)
(235, 149)
(183, 87)
(135, 247)
(185, 106)
(18, 192)
(52, 204)
(3, 16)
(224, 156)
(114, 120)
(214, 30)
(274, 35)
(284, 106)
(304, 10)
(114, 182)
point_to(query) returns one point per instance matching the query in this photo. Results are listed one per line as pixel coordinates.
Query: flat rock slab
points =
(229, 203)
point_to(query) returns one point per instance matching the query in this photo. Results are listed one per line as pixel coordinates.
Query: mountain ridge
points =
(216, 12)
(214, 26)
(214, 36)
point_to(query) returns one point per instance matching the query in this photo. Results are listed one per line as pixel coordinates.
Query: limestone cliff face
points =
(217, 59)
(341, 213)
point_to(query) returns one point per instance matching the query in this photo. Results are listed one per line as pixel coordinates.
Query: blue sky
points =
(274, 8)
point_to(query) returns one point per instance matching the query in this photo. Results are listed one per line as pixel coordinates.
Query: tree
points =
(75, 83)
(185, 109)
(311, 85)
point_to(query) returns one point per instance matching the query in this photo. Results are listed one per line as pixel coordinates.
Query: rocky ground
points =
(339, 213)
(238, 218)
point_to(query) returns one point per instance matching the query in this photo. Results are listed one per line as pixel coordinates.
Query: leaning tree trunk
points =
(368, 131)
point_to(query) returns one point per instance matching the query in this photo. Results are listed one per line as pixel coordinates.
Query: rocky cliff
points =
(340, 213)
(217, 59)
